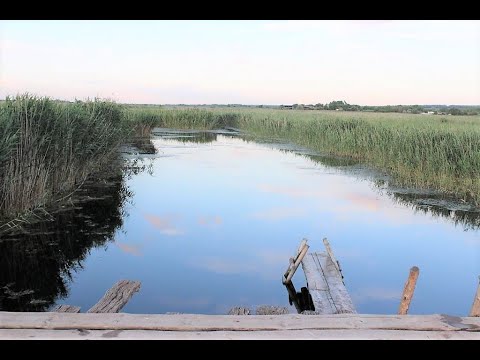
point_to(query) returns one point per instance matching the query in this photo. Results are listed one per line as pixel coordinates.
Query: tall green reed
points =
(48, 148)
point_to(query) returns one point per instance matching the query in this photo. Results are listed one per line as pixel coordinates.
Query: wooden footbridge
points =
(325, 311)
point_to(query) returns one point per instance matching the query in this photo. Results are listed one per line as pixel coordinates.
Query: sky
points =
(243, 62)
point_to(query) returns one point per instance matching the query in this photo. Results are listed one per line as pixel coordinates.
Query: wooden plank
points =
(475, 311)
(184, 322)
(338, 291)
(292, 261)
(325, 285)
(408, 291)
(301, 246)
(317, 286)
(21, 334)
(116, 297)
(296, 264)
(67, 308)
(330, 253)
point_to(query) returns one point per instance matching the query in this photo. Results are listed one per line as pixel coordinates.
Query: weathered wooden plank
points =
(341, 298)
(67, 308)
(317, 286)
(408, 291)
(297, 261)
(184, 322)
(325, 285)
(330, 253)
(21, 334)
(116, 297)
(293, 259)
(475, 311)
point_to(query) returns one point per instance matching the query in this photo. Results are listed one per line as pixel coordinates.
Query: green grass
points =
(421, 151)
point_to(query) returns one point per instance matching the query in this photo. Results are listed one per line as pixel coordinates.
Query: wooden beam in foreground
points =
(190, 322)
(18, 334)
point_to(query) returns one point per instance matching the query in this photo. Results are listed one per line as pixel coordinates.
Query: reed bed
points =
(420, 151)
(48, 148)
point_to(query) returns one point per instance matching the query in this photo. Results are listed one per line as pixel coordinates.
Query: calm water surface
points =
(212, 221)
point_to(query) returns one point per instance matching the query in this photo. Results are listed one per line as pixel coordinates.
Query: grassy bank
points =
(47, 148)
(422, 151)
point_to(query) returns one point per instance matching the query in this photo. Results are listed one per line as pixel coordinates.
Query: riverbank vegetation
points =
(48, 148)
(425, 152)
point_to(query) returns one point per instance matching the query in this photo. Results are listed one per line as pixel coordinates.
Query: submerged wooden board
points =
(116, 297)
(325, 285)
(13, 334)
(186, 322)
(67, 308)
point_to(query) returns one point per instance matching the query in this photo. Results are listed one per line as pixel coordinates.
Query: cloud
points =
(363, 201)
(180, 302)
(210, 221)
(164, 224)
(279, 213)
(227, 266)
(264, 264)
(327, 25)
(293, 25)
(129, 249)
(379, 294)
(290, 191)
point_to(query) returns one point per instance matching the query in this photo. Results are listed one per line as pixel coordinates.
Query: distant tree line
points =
(340, 105)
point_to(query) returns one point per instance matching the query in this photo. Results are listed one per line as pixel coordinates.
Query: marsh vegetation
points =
(49, 148)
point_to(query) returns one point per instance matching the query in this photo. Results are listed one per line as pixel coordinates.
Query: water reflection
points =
(426, 202)
(439, 206)
(37, 259)
(212, 223)
(302, 301)
(37, 263)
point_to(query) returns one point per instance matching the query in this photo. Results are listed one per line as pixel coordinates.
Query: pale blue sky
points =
(249, 62)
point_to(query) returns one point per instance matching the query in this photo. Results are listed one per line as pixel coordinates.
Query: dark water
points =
(210, 221)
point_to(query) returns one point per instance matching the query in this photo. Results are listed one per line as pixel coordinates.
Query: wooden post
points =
(475, 311)
(300, 247)
(296, 264)
(303, 243)
(408, 291)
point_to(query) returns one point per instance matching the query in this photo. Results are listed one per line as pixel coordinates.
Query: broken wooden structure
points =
(324, 281)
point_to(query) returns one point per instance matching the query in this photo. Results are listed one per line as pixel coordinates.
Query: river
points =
(210, 220)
